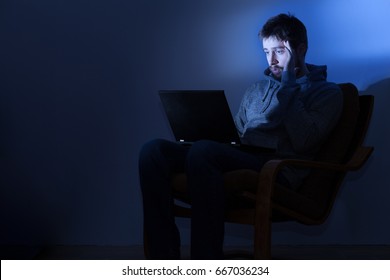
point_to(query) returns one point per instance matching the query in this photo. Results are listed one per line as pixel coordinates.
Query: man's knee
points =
(149, 151)
(150, 148)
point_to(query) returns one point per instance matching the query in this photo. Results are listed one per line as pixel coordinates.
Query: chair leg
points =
(262, 243)
(262, 238)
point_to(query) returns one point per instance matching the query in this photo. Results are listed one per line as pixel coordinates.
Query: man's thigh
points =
(225, 157)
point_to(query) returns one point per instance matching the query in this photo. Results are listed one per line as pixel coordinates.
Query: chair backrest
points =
(316, 195)
(337, 145)
(366, 108)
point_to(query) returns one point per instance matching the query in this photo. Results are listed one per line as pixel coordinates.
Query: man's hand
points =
(290, 63)
(296, 59)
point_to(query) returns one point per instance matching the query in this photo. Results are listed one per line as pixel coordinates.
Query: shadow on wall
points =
(367, 195)
(381, 91)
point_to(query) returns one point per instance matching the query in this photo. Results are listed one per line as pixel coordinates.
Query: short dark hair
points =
(285, 27)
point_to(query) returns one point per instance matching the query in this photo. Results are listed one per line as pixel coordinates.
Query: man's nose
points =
(274, 61)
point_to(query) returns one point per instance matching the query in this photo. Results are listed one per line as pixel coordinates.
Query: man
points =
(292, 110)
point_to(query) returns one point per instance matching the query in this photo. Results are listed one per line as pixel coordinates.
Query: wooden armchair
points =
(266, 201)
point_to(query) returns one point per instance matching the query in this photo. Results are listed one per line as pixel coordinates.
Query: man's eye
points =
(280, 51)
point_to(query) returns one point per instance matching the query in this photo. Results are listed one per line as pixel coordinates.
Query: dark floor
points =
(281, 252)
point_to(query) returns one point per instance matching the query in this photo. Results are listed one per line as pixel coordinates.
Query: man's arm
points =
(308, 125)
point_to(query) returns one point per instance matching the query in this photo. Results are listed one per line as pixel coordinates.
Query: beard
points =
(276, 71)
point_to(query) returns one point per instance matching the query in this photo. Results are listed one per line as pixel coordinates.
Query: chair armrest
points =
(270, 170)
(356, 161)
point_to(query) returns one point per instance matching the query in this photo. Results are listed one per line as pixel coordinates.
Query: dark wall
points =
(69, 71)
(78, 99)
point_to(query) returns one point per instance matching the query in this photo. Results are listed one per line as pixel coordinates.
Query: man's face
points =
(277, 55)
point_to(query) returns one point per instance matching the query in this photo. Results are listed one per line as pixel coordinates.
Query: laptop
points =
(201, 114)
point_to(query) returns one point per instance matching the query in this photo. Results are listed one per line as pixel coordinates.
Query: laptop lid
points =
(199, 114)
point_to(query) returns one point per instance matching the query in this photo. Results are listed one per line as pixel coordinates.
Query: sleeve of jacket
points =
(308, 123)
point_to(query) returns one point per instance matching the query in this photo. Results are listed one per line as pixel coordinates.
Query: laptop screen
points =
(199, 114)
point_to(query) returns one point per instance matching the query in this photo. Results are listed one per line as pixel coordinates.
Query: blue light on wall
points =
(356, 29)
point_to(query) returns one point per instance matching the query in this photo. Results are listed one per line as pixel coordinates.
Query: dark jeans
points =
(204, 163)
